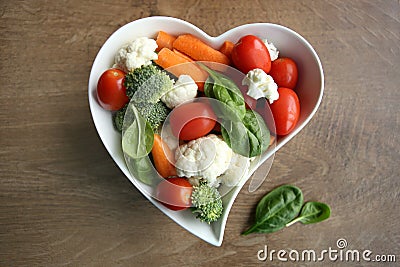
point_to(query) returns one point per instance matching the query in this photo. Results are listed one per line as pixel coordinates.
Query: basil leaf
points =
(312, 212)
(137, 139)
(276, 209)
(222, 88)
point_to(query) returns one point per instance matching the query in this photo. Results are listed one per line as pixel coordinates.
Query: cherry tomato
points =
(251, 53)
(286, 111)
(175, 193)
(192, 120)
(284, 72)
(111, 91)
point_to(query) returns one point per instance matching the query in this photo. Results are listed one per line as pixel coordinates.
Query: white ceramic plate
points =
(289, 43)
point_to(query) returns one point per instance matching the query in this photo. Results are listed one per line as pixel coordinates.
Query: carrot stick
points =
(198, 50)
(164, 40)
(175, 64)
(226, 48)
(182, 55)
(162, 157)
(167, 58)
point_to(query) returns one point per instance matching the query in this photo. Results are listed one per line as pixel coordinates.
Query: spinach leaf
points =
(257, 132)
(222, 88)
(312, 212)
(142, 169)
(276, 209)
(235, 135)
(208, 88)
(248, 137)
(279, 208)
(137, 139)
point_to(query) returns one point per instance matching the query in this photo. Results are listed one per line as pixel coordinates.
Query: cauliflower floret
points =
(184, 90)
(169, 138)
(261, 85)
(204, 158)
(273, 51)
(138, 53)
(238, 169)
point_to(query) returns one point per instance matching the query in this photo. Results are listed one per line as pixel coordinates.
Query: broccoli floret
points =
(118, 118)
(155, 114)
(207, 202)
(147, 83)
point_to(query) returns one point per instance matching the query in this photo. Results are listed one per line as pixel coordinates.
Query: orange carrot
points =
(167, 58)
(164, 40)
(182, 55)
(162, 157)
(226, 48)
(198, 50)
(175, 64)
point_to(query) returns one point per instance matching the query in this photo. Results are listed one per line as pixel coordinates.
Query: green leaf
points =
(143, 170)
(222, 88)
(313, 212)
(208, 88)
(137, 139)
(248, 137)
(276, 209)
(235, 135)
(257, 131)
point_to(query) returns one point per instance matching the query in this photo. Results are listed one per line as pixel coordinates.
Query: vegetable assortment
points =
(137, 97)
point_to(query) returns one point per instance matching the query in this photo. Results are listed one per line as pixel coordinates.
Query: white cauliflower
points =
(169, 138)
(138, 53)
(260, 85)
(237, 170)
(273, 51)
(206, 157)
(183, 90)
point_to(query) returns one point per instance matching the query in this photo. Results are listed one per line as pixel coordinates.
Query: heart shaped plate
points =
(289, 43)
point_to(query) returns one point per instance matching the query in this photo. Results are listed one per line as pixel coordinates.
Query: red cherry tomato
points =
(251, 53)
(286, 111)
(192, 120)
(111, 91)
(175, 193)
(284, 72)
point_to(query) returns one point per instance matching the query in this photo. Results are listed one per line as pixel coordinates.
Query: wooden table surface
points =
(63, 201)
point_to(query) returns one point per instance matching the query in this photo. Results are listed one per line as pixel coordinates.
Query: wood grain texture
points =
(63, 202)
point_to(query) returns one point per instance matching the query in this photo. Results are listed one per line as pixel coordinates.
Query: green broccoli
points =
(155, 114)
(207, 202)
(145, 86)
(147, 83)
(118, 118)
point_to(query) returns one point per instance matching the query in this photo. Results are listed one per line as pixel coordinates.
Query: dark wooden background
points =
(63, 202)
